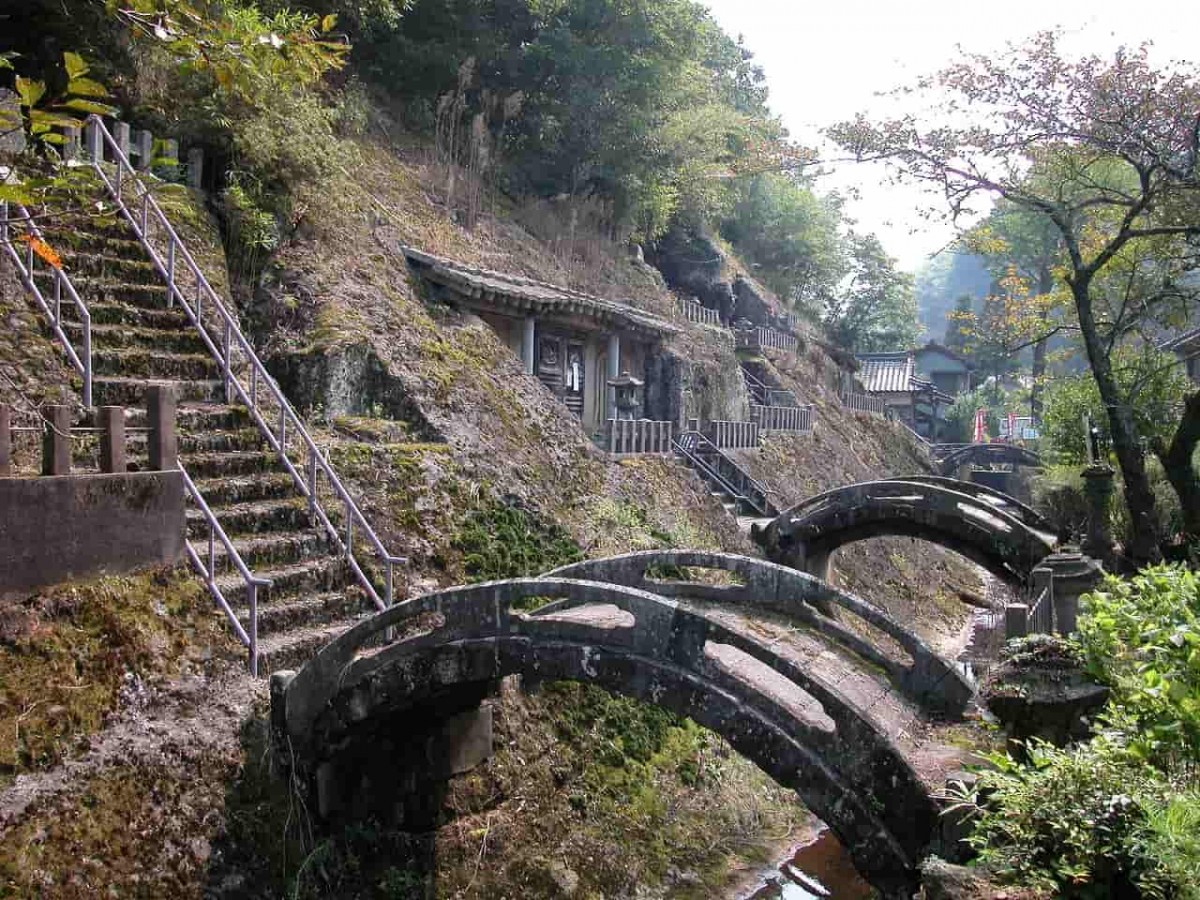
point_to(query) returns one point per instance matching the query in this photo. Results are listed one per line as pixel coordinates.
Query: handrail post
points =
(312, 483)
(349, 530)
(87, 358)
(170, 271)
(387, 586)
(225, 365)
(252, 631)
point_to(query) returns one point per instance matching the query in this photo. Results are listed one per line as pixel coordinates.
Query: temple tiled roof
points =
(886, 373)
(516, 294)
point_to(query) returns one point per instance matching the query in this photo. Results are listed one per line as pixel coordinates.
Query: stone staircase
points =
(137, 341)
(744, 498)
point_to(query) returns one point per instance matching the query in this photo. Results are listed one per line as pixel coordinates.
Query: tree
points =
(960, 326)
(876, 309)
(1119, 143)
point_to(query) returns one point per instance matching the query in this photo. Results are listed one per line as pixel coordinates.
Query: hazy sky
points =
(825, 61)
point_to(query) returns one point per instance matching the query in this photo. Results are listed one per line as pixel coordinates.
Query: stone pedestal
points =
(1073, 574)
(1098, 490)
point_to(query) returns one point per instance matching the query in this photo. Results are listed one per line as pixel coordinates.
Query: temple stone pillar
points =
(1098, 490)
(614, 371)
(528, 336)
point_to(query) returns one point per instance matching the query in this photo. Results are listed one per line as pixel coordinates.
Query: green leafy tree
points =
(876, 308)
(1114, 142)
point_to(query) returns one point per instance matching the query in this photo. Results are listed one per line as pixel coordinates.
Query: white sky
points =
(825, 62)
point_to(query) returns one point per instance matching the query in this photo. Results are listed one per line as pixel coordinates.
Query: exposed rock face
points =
(693, 265)
(1041, 690)
(12, 135)
(941, 880)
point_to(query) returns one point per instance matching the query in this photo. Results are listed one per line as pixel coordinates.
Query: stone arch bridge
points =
(995, 530)
(981, 454)
(822, 690)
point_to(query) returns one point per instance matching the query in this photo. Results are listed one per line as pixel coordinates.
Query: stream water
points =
(816, 870)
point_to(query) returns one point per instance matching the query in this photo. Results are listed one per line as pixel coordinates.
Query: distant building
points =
(574, 343)
(914, 400)
(1187, 347)
(949, 372)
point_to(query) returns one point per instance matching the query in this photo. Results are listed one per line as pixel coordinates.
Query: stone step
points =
(259, 551)
(291, 649)
(127, 336)
(104, 312)
(134, 267)
(290, 514)
(119, 391)
(276, 619)
(313, 576)
(237, 462)
(118, 242)
(230, 491)
(196, 417)
(155, 364)
(107, 290)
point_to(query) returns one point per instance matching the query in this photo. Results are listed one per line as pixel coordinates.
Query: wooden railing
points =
(628, 436)
(783, 418)
(694, 311)
(728, 435)
(1037, 615)
(759, 337)
(863, 403)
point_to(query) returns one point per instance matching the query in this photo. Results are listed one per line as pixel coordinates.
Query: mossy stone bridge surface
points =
(822, 690)
(1001, 534)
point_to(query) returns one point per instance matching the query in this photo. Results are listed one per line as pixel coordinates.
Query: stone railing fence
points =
(863, 403)
(758, 338)
(624, 437)
(729, 435)
(52, 427)
(141, 149)
(783, 418)
(1055, 588)
(695, 311)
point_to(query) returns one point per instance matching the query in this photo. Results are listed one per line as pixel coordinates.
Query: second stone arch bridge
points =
(822, 690)
(995, 530)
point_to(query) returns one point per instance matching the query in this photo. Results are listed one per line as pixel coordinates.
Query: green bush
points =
(1058, 495)
(504, 540)
(1142, 637)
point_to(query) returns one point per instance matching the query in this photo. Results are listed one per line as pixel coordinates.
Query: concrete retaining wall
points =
(56, 528)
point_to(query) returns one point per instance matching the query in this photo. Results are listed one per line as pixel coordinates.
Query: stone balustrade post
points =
(1098, 491)
(112, 440)
(171, 154)
(56, 441)
(195, 168)
(5, 440)
(70, 147)
(162, 441)
(144, 147)
(120, 134)
(95, 144)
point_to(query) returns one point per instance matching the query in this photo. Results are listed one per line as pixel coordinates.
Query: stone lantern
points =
(626, 395)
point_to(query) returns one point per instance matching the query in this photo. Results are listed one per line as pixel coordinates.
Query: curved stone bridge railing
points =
(796, 725)
(998, 499)
(927, 678)
(962, 519)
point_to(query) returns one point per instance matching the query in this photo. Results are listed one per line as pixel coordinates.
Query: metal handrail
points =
(690, 443)
(81, 361)
(247, 635)
(233, 340)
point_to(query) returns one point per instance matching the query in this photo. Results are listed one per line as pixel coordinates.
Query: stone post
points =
(121, 136)
(70, 149)
(162, 444)
(528, 347)
(1073, 574)
(195, 168)
(112, 440)
(95, 144)
(1098, 490)
(171, 155)
(5, 440)
(56, 441)
(144, 147)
